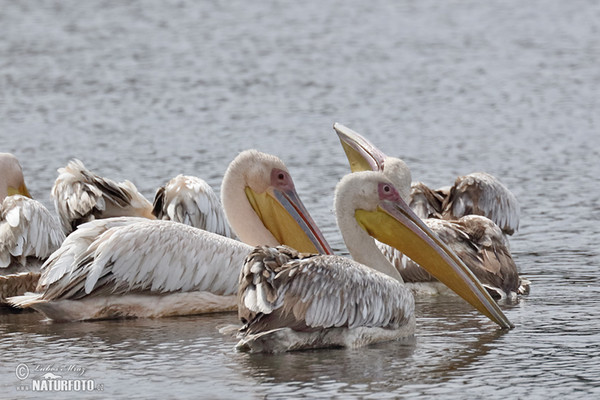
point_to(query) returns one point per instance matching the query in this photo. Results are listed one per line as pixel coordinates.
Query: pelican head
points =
(11, 178)
(383, 214)
(364, 156)
(259, 185)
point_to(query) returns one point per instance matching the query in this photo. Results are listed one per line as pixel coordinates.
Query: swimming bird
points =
(28, 232)
(12, 180)
(478, 193)
(292, 301)
(190, 200)
(477, 240)
(81, 196)
(134, 267)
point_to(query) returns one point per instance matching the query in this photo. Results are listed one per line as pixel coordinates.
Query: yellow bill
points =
(22, 190)
(362, 154)
(395, 224)
(284, 215)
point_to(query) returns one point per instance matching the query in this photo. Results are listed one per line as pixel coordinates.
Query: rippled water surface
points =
(147, 90)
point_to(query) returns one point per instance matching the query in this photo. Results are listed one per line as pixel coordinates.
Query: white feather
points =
(156, 256)
(27, 229)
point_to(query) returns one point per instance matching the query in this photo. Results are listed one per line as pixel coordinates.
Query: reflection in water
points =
(336, 364)
(443, 348)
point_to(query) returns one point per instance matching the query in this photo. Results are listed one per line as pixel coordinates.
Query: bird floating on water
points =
(476, 239)
(133, 267)
(81, 196)
(29, 233)
(292, 301)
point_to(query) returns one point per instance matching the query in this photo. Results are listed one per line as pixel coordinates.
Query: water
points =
(146, 90)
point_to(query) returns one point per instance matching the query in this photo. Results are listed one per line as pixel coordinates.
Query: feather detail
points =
(310, 292)
(191, 201)
(81, 196)
(126, 254)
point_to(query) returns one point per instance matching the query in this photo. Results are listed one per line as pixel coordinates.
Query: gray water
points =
(147, 90)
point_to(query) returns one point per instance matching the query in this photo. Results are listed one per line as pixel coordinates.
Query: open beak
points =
(395, 224)
(284, 215)
(398, 226)
(362, 154)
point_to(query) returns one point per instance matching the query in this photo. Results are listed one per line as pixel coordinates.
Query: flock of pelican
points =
(111, 253)
(472, 217)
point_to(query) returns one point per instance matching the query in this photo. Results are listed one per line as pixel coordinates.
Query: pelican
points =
(477, 193)
(81, 196)
(480, 193)
(477, 240)
(28, 232)
(134, 267)
(11, 179)
(426, 203)
(191, 201)
(291, 301)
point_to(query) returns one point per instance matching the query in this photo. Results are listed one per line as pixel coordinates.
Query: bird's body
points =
(81, 196)
(290, 301)
(314, 301)
(28, 232)
(134, 267)
(463, 216)
(482, 194)
(190, 200)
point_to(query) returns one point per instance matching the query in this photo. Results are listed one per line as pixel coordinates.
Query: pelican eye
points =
(281, 179)
(387, 191)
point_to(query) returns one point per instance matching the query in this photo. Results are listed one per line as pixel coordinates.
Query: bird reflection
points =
(445, 343)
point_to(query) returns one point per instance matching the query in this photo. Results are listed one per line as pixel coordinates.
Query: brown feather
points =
(330, 291)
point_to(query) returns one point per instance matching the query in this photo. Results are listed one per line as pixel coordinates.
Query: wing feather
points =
(425, 202)
(316, 292)
(132, 254)
(483, 194)
(27, 229)
(191, 201)
(81, 196)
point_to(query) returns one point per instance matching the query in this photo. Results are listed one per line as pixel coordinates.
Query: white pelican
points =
(477, 240)
(480, 193)
(11, 178)
(191, 201)
(290, 301)
(81, 196)
(132, 267)
(28, 232)
(477, 193)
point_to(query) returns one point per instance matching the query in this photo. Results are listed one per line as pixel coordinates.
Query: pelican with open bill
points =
(413, 237)
(290, 301)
